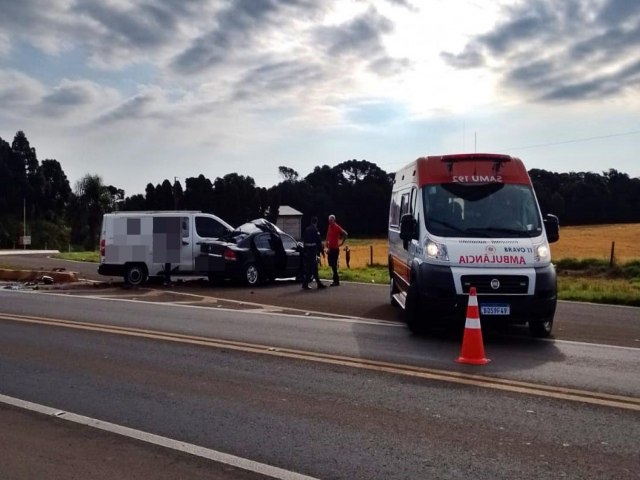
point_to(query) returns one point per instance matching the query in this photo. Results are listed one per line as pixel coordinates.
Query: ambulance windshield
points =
(493, 210)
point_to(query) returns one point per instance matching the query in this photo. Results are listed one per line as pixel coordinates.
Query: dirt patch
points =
(9, 275)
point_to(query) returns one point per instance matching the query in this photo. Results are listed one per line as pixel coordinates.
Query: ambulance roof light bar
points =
(497, 159)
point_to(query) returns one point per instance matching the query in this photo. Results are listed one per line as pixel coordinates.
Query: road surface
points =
(325, 397)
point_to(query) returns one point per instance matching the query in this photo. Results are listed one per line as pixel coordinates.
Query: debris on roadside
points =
(21, 286)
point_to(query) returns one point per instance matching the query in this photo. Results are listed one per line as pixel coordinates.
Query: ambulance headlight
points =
(437, 251)
(542, 253)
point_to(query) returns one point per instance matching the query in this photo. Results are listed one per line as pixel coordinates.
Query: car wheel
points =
(541, 328)
(135, 274)
(251, 274)
(413, 311)
(392, 291)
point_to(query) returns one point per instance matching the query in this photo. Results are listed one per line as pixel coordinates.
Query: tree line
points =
(356, 191)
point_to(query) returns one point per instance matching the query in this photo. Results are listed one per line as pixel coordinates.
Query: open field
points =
(582, 242)
(594, 241)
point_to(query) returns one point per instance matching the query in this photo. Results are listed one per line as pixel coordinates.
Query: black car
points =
(255, 252)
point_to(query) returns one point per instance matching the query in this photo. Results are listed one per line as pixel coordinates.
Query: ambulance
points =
(471, 220)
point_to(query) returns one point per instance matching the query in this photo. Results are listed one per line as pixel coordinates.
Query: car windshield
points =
(487, 210)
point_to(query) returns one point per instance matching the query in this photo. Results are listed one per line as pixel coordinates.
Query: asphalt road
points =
(307, 398)
(574, 321)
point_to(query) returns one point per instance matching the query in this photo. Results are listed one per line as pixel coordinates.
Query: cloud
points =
(77, 97)
(135, 108)
(560, 51)
(241, 28)
(18, 91)
(275, 78)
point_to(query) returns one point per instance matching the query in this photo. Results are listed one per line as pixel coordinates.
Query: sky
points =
(146, 90)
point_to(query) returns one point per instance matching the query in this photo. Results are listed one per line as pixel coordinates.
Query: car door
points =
(294, 260)
(265, 254)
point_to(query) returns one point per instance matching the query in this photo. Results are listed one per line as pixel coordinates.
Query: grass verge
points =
(79, 256)
(583, 280)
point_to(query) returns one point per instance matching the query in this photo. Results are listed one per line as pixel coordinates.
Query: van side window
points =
(184, 226)
(209, 228)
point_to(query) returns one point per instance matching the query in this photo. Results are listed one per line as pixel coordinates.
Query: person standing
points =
(312, 246)
(336, 235)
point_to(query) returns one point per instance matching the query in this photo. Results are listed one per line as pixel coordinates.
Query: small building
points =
(290, 221)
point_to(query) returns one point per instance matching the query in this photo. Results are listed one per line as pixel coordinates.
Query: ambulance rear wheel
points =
(413, 311)
(541, 328)
(135, 274)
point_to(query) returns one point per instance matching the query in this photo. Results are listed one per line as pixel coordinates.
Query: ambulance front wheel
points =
(135, 274)
(541, 328)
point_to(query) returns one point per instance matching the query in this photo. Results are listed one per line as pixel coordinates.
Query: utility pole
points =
(24, 223)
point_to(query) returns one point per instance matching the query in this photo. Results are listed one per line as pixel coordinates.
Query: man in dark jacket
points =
(312, 246)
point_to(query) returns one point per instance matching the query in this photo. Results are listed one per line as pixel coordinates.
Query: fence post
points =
(371, 255)
(612, 257)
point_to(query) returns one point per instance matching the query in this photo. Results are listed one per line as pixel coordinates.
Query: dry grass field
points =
(594, 241)
(575, 242)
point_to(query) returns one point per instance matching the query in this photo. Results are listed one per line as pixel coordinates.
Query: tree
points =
(288, 174)
(198, 194)
(235, 199)
(55, 194)
(164, 196)
(33, 180)
(91, 201)
(362, 183)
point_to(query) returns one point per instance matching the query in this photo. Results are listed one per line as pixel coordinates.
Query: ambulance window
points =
(404, 204)
(414, 194)
(394, 210)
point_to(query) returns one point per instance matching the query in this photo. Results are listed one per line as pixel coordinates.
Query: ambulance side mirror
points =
(408, 229)
(552, 227)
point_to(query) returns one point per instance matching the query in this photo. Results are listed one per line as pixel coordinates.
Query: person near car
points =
(336, 235)
(312, 246)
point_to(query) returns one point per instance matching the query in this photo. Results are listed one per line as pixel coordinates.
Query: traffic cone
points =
(472, 347)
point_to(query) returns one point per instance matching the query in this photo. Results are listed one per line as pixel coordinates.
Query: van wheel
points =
(413, 311)
(541, 328)
(251, 274)
(392, 291)
(135, 275)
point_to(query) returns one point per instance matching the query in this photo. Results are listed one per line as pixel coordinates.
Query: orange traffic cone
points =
(472, 346)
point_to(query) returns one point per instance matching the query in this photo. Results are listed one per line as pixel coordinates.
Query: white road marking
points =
(216, 456)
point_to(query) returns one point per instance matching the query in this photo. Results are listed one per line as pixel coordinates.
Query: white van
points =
(136, 245)
(471, 220)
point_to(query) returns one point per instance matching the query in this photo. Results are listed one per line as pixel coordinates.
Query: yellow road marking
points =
(515, 386)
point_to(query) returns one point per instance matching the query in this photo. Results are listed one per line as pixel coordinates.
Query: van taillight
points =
(103, 243)
(229, 255)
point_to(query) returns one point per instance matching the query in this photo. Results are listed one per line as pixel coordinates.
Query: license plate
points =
(495, 309)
